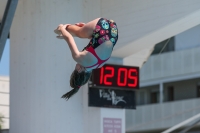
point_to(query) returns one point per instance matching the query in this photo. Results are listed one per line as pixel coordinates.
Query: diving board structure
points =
(6, 21)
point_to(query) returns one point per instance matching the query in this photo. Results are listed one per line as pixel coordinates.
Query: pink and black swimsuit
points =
(105, 30)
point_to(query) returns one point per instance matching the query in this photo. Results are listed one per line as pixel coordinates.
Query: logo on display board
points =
(111, 98)
(110, 95)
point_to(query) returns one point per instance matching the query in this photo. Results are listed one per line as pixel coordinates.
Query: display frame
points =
(115, 77)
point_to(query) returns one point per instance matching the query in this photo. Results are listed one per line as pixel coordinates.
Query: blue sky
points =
(5, 60)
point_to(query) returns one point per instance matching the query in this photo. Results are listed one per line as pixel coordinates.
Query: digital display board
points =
(116, 76)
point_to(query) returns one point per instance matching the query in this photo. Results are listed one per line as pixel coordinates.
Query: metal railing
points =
(196, 117)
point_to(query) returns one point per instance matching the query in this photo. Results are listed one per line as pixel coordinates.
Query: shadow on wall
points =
(4, 131)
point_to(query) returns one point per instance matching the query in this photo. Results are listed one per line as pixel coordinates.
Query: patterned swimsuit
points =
(105, 30)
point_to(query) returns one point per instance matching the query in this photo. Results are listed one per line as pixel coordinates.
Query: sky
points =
(5, 60)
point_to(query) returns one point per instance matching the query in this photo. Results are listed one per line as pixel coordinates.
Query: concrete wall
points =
(138, 18)
(4, 100)
(41, 66)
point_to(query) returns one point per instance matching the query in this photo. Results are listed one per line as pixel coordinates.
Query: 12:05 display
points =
(116, 76)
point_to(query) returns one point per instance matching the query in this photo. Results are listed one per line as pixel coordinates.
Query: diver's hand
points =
(61, 29)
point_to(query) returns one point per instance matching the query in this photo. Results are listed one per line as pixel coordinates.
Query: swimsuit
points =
(105, 30)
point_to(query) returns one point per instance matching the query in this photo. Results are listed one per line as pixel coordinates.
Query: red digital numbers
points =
(104, 78)
(119, 76)
(120, 71)
(134, 78)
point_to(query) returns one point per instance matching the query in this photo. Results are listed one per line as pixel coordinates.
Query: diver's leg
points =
(84, 31)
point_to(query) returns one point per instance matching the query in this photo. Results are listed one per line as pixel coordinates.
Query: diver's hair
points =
(76, 81)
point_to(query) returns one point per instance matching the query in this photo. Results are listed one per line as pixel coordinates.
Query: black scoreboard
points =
(116, 76)
(113, 86)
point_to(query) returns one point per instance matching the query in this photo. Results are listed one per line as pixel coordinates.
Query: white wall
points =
(188, 39)
(4, 100)
(41, 66)
(138, 18)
